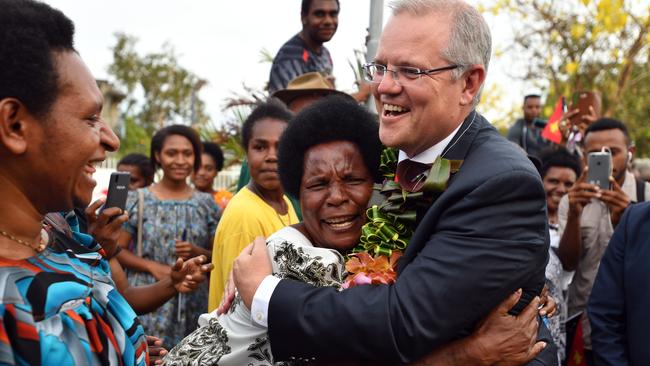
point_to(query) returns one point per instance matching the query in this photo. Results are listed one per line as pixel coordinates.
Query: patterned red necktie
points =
(411, 175)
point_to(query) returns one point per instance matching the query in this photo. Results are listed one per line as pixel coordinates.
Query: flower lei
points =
(391, 223)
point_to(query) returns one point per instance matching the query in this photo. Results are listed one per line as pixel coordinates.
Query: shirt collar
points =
(429, 155)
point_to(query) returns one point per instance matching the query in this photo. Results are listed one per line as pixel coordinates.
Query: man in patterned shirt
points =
(305, 52)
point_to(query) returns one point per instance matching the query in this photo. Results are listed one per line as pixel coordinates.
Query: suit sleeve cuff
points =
(261, 300)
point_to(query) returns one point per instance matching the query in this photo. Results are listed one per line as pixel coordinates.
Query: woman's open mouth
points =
(341, 222)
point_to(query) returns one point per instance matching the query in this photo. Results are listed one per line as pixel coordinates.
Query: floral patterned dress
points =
(164, 221)
(232, 339)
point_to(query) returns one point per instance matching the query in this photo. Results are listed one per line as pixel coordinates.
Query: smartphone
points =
(600, 168)
(581, 101)
(118, 189)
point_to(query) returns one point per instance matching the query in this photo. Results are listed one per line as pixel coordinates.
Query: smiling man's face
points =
(417, 114)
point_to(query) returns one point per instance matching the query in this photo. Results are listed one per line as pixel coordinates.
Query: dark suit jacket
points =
(483, 238)
(620, 299)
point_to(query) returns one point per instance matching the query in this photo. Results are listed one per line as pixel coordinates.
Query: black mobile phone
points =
(600, 168)
(118, 189)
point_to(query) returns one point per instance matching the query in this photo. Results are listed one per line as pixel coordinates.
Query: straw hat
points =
(307, 84)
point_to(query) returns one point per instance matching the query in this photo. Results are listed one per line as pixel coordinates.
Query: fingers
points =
(583, 176)
(178, 265)
(247, 249)
(549, 306)
(259, 246)
(530, 311)
(90, 210)
(509, 302)
(206, 268)
(536, 350)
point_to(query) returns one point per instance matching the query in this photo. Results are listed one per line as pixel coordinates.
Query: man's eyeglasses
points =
(401, 74)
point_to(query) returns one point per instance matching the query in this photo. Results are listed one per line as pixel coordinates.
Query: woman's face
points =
(204, 177)
(75, 140)
(557, 182)
(262, 153)
(176, 157)
(334, 193)
(137, 179)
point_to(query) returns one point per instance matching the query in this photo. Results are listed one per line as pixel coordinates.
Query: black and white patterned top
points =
(233, 338)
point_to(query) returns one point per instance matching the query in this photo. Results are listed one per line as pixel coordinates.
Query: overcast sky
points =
(220, 40)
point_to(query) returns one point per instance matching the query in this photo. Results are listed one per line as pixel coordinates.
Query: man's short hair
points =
(559, 158)
(30, 32)
(534, 96)
(470, 42)
(604, 124)
(306, 4)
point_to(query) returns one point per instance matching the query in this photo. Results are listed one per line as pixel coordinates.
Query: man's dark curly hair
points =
(158, 141)
(215, 152)
(272, 108)
(332, 118)
(30, 32)
(561, 158)
(603, 124)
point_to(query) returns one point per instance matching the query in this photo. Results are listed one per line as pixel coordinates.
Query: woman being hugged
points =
(172, 221)
(260, 208)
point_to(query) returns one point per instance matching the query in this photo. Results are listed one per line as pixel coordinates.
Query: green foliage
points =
(587, 45)
(159, 91)
(136, 139)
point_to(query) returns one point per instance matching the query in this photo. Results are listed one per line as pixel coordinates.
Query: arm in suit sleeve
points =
(489, 241)
(606, 306)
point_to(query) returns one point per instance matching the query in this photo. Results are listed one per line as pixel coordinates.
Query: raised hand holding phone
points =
(118, 190)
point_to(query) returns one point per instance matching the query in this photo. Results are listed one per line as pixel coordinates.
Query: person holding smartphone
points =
(588, 214)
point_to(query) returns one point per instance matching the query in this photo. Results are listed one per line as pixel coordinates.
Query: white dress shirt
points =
(262, 298)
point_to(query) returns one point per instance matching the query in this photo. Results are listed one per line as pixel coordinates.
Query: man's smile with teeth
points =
(394, 109)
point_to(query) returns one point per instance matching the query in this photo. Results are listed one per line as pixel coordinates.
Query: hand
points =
(156, 350)
(565, 124)
(549, 305)
(106, 227)
(185, 249)
(504, 339)
(588, 119)
(228, 295)
(159, 270)
(616, 200)
(250, 268)
(188, 275)
(581, 193)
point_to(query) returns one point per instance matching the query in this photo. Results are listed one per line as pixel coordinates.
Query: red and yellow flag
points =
(552, 130)
(576, 356)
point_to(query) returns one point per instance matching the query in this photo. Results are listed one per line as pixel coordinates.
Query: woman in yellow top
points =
(260, 208)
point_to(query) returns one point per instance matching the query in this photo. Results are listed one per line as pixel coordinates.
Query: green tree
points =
(159, 92)
(587, 45)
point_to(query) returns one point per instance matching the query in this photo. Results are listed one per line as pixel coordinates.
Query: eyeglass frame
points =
(417, 71)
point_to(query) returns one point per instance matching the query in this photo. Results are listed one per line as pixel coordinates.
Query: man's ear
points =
(472, 80)
(13, 125)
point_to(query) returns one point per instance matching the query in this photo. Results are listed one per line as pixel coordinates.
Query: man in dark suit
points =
(620, 299)
(484, 237)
